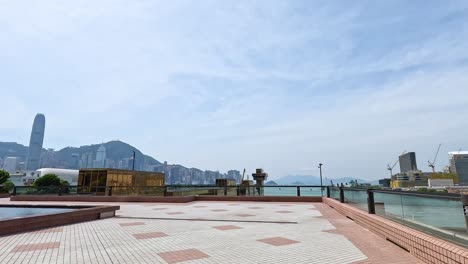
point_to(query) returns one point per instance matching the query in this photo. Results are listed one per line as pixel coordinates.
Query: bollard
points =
(298, 190)
(14, 191)
(341, 195)
(370, 201)
(165, 191)
(110, 191)
(328, 191)
(60, 191)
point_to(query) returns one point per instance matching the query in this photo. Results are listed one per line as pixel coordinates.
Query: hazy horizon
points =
(220, 85)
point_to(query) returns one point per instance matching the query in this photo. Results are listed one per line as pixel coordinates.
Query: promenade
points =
(206, 232)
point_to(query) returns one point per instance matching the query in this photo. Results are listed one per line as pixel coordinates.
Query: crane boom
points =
(432, 164)
(243, 173)
(394, 164)
(437, 153)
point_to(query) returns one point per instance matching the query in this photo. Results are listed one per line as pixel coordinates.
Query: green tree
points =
(51, 183)
(47, 180)
(4, 176)
(8, 186)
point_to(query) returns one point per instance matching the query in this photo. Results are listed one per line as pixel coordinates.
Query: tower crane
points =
(242, 179)
(431, 164)
(394, 164)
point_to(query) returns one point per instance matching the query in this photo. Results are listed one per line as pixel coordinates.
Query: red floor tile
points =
(34, 247)
(132, 224)
(278, 241)
(50, 230)
(227, 227)
(245, 215)
(175, 213)
(182, 255)
(149, 235)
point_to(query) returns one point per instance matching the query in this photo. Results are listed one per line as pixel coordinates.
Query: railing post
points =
(464, 199)
(298, 190)
(341, 195)
(328, 191)
(370, 201)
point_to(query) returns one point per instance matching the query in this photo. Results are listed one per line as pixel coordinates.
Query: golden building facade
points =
(120, 182)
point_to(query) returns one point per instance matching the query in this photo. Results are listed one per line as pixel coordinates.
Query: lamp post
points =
(321, 184)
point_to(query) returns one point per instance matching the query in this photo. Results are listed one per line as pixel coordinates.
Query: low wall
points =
(73, 198)
(282, 199)
(425, 247)
(161, 199)
(29, 223)
(4, 195)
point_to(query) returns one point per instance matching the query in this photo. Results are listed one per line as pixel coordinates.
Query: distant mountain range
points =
(68, 157)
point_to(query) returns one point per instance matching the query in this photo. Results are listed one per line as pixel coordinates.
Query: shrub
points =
(4, 176)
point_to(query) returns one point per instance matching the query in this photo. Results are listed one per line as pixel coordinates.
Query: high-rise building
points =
(100, 161)
(35, 143)
(234, 174)
(408, 162)
(10, 164)
(459, 165)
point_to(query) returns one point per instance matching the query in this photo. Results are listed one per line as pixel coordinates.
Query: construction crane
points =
(242, 179)
(431, 164)
(394, 164)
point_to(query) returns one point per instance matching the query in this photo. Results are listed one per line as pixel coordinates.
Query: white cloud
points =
(233, 85)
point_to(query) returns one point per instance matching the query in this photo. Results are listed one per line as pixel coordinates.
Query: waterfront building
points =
(385, 182)
(71, 176)
(129, 182)
(10, 164)
(35, 143)
(459, 165)
(410, 179)
(408, 162)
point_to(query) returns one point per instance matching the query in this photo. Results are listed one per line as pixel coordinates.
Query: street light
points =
(321, 184)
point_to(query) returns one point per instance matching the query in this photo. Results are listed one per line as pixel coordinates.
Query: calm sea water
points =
(292, 191)
(18, 212)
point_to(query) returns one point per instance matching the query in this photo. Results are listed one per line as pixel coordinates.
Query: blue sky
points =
(223, 85)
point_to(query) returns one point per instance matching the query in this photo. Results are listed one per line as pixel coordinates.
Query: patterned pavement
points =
(198, 232)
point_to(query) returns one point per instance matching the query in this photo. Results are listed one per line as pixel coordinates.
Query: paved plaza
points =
(206, 232)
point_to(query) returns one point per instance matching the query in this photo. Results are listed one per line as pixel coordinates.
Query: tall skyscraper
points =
(35, 143)
(100, 157)
(459, 165)
(408, 162)
(10, 164)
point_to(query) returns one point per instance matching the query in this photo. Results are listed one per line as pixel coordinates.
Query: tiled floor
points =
(206, 232)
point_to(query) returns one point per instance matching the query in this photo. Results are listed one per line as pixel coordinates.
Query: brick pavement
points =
(245, 232)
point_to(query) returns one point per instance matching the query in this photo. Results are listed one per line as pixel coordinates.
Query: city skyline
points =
(281, 86)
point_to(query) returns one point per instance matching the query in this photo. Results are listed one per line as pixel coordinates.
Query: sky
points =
(278, 85)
